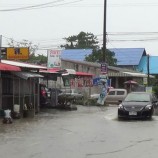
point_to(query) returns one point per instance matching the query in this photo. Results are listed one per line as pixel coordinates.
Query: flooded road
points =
(89, 132)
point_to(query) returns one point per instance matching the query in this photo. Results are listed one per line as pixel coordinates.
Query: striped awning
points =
(128, 74)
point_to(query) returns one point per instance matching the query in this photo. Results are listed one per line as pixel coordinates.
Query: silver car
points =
(73, 93)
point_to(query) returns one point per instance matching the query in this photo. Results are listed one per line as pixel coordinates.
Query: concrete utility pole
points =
(0, 73)
(0, 47)
(148, 71)
(104, 32)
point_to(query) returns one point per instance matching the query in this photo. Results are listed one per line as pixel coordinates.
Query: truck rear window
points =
(120, 92)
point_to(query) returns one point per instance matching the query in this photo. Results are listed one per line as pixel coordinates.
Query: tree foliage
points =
(97, 56)
(89, 41)
(81, 41)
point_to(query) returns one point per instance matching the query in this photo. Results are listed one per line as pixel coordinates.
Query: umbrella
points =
(130, 82)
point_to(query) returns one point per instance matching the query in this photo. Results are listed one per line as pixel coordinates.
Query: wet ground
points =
(89, 132)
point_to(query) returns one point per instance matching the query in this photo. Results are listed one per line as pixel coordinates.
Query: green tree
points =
(81, 41)
(89, 41)
(97, 56)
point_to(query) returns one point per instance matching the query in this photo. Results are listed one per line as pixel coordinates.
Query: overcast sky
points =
(130, 23)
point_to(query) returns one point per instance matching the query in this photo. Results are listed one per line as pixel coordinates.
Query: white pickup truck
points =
(115, 95)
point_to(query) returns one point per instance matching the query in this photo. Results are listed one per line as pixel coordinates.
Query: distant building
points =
(128, 57)
(153, 65)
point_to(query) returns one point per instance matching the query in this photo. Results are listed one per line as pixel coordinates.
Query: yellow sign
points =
(18, 53)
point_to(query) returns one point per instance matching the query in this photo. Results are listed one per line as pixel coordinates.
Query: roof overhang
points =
(84, 74)
(7, 67)
(51, 71)
(137, 74)
(22, 64)
(26, 75)
(128, 74)
(65, 72)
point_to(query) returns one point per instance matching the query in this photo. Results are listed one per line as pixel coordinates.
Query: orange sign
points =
(18, 53)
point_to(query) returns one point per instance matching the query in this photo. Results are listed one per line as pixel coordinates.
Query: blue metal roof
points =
(128, 56)
(153, 65)
(75, 54)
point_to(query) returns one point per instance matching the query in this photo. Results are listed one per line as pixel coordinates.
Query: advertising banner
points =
(17, 53)
(54, 58)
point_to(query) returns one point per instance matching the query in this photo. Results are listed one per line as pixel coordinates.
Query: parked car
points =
(115, 95)
(137, 105)
(74, 94)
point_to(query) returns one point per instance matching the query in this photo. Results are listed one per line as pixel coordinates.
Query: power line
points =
(40, 6)
(133, 5)
(131, 33)
(56, 5)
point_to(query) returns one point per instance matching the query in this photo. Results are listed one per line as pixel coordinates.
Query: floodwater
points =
(89, 132)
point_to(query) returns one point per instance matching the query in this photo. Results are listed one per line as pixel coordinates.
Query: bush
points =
(155, 90)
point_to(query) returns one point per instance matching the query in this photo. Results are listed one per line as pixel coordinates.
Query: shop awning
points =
(50, 70)
(128, 74)
(84, 74)
(65, 72)
(137, 74)
(7, 67)
(26, 75)
(22, 64)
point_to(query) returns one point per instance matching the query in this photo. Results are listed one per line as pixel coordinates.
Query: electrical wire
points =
(40, 6)
(56, 5)
(133, 5)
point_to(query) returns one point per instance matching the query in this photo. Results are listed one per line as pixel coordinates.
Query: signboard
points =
(102, 95)
(97, 81)
(54, 58)
(149, 89)
(17, 53)
(145, 80)
(104, 68)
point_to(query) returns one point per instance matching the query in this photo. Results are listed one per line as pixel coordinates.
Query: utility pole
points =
(148, 71)
(0, 73)
(104, 32)
(0, 47)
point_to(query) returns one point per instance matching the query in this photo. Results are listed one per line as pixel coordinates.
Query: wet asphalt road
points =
(89, 132)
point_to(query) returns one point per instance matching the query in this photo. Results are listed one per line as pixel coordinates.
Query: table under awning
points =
(7, 67)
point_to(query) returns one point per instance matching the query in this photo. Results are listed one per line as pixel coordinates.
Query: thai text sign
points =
(104, 68)
(54, 58)
(18, 53)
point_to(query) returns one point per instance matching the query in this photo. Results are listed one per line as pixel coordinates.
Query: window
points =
(120, 92)
(111, 93)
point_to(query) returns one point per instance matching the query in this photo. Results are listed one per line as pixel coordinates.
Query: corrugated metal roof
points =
(128, 56)
(75, 54)
(128, 74)
(7, 67)
(153, 65)
(26, 75)
(21, 64)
